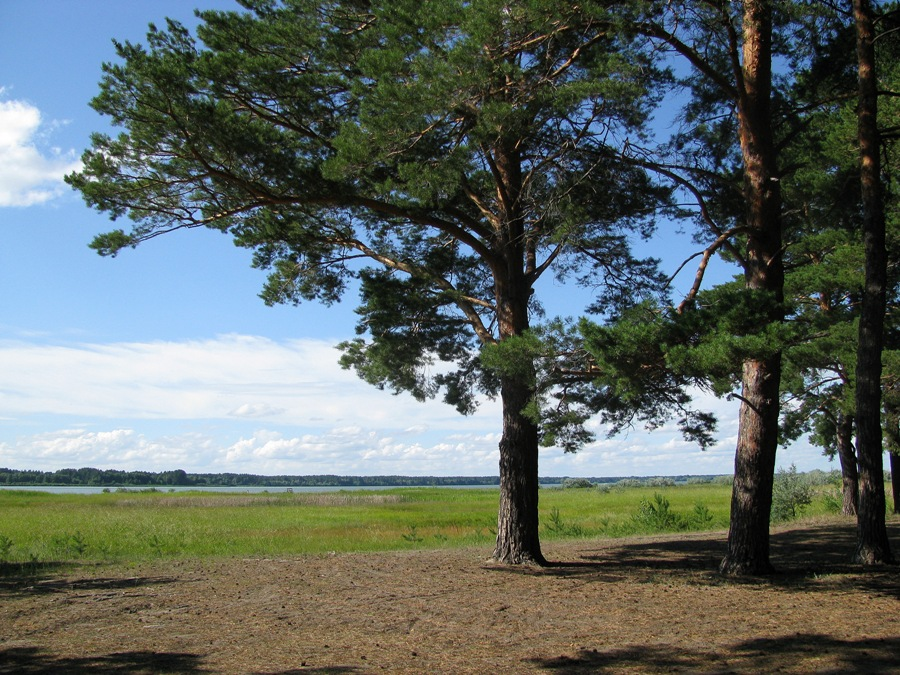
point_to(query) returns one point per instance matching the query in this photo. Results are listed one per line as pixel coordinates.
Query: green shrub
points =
(791, 493)
(412, 535)
(6, 545)
(657, 515)
(556, 525)
(701, 517)
(69, 545)
(833, 501)
(576, 483)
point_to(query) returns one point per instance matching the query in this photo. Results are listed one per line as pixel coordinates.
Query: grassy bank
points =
(121, 526)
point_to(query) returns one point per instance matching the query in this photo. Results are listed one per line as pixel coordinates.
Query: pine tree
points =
(443, 155)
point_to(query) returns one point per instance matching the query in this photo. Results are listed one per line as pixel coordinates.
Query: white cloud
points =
(333, 451)
(230, 377)
(29, 172)
(164, 405)
(253, 410)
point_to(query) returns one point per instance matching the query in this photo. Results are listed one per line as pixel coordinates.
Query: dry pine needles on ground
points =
(641, 605)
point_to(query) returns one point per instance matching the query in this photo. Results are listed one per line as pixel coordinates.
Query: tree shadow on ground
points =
(324, 670)
(806, 556)
(34, 584)
(37, 661)
(796, 653)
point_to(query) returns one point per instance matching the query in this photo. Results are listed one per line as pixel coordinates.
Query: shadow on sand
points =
(797, 653)
(34, 661)
(817, 555)
(34, 583)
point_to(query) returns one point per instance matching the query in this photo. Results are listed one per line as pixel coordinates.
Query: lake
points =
(96, 489)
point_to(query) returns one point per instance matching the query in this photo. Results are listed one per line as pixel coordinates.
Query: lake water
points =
(94, 489)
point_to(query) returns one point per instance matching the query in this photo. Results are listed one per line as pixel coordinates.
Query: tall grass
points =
(38, 526)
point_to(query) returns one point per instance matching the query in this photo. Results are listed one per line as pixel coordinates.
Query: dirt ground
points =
(639, 605)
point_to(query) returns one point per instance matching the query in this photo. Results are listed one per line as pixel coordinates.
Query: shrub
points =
(660, 481)
(657, 514)
(576, 483)
(791, 493)
(700, 517)
(6, 545)
(558, 526)
(69, 545)
(833, 501)
(412, 535)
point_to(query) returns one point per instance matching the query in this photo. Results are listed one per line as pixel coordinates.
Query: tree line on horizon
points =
(441, 157)
(89, 476)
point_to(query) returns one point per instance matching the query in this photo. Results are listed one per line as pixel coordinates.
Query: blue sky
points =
(166, 358)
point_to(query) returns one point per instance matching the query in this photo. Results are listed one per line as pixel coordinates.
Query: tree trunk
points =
(849, 470)
(754, 471)
(872, 545)
(892, 444)
(895, 480)
(754, 465)
(518, 540)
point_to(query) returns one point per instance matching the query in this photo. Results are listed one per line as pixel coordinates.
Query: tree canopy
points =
(441, 155)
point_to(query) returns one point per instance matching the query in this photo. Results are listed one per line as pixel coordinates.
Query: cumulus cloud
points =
(117, 448)
(343, 451)
(30, 172)
(252, 410)
(189, 404)
(229, 377)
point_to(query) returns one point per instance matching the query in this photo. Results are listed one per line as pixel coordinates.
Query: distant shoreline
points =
(91, 477)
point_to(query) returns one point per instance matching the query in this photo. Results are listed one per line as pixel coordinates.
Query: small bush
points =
(69, 545)
(629, 482)
(576, 483)
(660, 481)
(6, 545)
(833, 501)
(657, 514)
(557, 525)
(412, 535)
(791, 493)
(700, 517)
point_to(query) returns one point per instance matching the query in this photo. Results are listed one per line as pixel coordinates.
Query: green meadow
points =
(132, 526)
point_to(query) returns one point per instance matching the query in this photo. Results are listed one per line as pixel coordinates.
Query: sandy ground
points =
(639, 605)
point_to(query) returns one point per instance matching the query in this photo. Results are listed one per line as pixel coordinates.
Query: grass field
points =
(123, 526)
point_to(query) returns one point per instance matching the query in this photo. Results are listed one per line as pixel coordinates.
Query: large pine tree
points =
(443, 154)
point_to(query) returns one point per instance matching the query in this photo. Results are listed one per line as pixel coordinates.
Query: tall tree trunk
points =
(849, 470)
(754, 471)
(517, 521)
(892, 444)
(872, 545)
(518, 540)
(895, 480)
(754, 465)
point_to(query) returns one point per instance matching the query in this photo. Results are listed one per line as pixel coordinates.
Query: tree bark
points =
(518, 540)
(895, 480)
(754, 471)
(872, 545)
(754, 465)
(849, 470)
